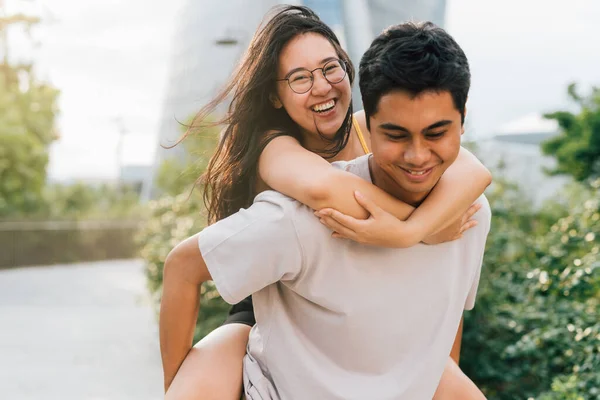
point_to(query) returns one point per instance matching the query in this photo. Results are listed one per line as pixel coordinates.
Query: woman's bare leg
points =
(455, 385)
(212, 370)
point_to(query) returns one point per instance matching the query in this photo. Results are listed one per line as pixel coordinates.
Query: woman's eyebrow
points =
(323, 61)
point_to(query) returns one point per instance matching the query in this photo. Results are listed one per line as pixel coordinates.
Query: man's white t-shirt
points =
(336, 319)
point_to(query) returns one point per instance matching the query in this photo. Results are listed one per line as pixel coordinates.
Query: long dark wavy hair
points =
(231, 176)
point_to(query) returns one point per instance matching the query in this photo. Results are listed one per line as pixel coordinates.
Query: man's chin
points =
(416, 191)
(415, 187)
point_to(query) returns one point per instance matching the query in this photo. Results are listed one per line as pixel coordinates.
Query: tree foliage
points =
(22, 173)
(177, 175)
(577, 148)
(28, 108)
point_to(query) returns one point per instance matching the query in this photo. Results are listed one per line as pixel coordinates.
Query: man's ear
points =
(462, 128)
(275, 100)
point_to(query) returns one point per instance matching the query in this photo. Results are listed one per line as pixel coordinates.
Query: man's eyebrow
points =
(394, 127)
(323, 61)
(439, 124)
(388, 126)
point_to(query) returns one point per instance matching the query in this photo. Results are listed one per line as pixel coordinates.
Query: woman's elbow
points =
(318, 194)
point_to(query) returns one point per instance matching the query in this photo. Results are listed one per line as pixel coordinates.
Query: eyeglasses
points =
(301, 81)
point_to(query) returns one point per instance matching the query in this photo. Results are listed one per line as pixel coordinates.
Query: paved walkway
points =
(78, 332)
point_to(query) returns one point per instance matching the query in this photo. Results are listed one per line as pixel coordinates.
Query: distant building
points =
(213, 34)
(516, 147)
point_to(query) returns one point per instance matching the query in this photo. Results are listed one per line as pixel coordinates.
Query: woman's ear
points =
(275, 100)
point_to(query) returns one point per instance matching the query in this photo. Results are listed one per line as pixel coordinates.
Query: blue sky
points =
(110, 58)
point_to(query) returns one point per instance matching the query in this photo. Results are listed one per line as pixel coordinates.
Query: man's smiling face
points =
(414, 140)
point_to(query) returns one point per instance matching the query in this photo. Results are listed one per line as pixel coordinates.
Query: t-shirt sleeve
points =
(484, 218)
(253, 248)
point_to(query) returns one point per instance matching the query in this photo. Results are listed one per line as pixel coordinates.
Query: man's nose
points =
(417, 155)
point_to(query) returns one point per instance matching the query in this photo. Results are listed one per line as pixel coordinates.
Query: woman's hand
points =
(384, 230)
(379, 229)
(456, 229)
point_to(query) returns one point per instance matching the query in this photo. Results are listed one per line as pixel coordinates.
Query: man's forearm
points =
(178, 315)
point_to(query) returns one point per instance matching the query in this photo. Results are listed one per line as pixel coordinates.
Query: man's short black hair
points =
(416, 58)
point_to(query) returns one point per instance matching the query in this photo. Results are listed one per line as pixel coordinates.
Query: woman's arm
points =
(437, 220)
(289, 168)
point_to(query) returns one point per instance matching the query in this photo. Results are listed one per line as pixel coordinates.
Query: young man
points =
(341, 320)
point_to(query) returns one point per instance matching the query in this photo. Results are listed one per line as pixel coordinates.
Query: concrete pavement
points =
(78, 332)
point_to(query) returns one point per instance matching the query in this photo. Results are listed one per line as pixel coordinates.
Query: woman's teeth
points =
(417, 172)
(324, 106)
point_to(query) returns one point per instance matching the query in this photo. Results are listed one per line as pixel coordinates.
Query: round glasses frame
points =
(312, 75)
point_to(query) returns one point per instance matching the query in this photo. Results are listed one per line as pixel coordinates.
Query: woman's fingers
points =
(337, 227)
(367, 204)
(471, 211)
(374, 230)
(343, 219)
(468, 225)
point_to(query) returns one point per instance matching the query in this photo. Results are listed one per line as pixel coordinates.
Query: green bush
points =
(172, 220)
(177, 215)
(535, 332)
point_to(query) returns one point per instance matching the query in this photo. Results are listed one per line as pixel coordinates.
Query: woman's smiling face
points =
(323, 108)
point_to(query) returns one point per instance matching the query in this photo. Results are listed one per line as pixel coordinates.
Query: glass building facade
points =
(213, 34)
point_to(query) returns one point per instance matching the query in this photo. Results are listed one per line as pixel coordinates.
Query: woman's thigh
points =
(213, 367)
(455, 385)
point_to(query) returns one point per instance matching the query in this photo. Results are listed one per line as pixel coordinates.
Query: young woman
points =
(290, 115)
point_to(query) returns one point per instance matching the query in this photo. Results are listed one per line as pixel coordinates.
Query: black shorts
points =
(242, 313)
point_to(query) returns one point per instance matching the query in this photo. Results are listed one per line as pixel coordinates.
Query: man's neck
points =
(385, 182)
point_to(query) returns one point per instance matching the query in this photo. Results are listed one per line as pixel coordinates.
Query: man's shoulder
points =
(270, 216)
(277, 199)
(359, 166)
(289, 208)
(355, 163)
(273, 196)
